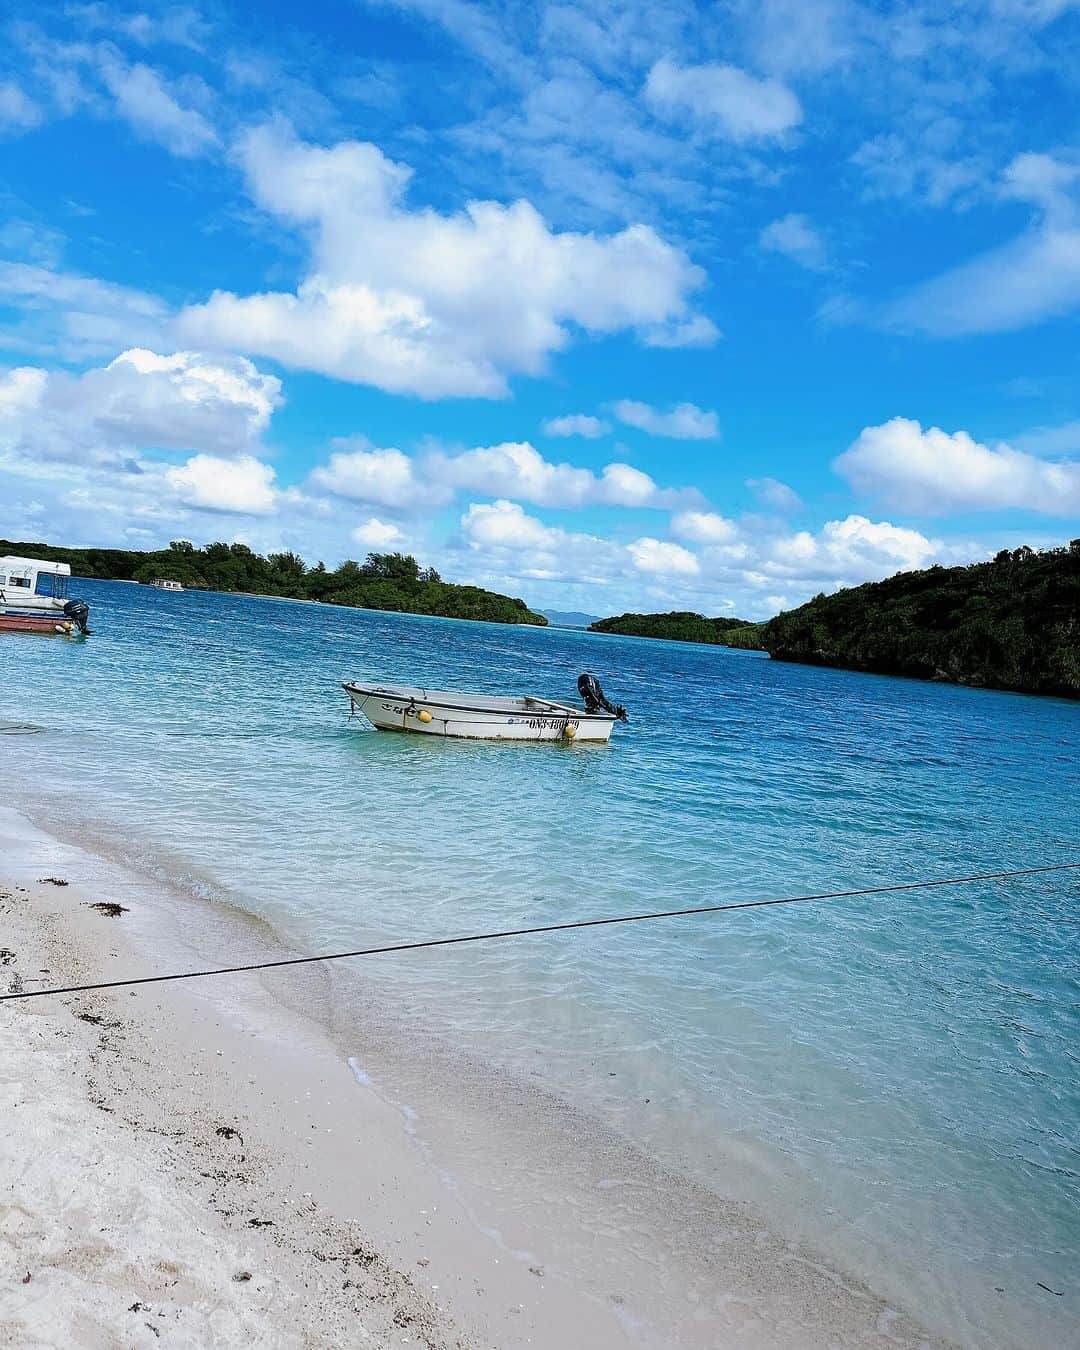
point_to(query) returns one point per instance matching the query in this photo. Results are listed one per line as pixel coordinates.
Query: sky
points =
(609, 306)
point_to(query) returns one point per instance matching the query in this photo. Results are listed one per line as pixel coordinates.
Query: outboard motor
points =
(78, 611)
(590, 691)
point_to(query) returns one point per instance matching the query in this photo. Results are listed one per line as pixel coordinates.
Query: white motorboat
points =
(34, 599)
(489, 717)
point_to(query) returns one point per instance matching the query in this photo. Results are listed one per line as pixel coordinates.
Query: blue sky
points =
(610, 306)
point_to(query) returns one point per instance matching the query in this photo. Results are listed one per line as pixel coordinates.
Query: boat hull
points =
(389, 710)
(55, 624)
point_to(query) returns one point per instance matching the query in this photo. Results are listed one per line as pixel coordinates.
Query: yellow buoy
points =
(569, 731)
(423, 715)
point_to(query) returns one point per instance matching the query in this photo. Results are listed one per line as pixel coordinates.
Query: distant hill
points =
(679, 625)
(1013, 623)
(568, 618)
(387, 581)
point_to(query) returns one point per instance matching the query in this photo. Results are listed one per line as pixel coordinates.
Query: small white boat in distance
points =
(163, 584)
(486, 717)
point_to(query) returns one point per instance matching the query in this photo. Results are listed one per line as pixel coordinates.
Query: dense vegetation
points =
(1013, 623)
(679, 626)
(393, 581)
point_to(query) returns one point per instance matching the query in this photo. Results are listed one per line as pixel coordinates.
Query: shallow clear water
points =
(901, 1071)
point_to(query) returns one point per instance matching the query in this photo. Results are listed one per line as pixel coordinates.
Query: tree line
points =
(387, 581)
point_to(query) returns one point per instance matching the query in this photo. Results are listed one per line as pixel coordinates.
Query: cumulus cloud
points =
(794, 237)
(723, 99)
(663, 557)
(504, 528)
(704, 527)
(377, 534)
(514, 469)
(685, 422)
(379, 477)
(244, 485)
(414, 301)
(934, 471)
(505, 525)
(577, 424)
(517, 469)
(762, 566)
(849, 551)
(139, 401)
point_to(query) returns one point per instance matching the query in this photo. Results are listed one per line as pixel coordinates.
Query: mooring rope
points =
(428, 943)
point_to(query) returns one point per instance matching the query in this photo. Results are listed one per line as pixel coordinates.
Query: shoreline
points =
(474, 1238)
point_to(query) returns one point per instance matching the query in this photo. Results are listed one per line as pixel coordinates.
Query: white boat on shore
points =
(34, 598)
(488, 717)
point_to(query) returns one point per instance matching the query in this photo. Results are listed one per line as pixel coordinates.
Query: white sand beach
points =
(199, 1164)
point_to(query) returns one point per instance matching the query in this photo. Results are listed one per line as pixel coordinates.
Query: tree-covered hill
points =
(1013, 623)
(389, 581)
(678, 626)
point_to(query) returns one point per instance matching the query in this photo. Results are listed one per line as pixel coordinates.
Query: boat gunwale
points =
(555, 709)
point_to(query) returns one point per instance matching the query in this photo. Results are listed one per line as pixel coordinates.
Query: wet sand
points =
(210, 1162)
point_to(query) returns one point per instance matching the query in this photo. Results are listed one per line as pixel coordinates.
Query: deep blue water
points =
(907, 1067)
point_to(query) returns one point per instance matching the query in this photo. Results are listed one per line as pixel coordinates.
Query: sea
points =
(904, 1065)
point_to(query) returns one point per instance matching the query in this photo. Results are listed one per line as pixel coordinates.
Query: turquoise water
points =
(900, 1071)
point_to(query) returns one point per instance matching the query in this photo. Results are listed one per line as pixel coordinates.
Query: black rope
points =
(541, 928)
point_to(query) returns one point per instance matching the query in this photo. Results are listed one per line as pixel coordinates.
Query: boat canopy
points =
(12, 566)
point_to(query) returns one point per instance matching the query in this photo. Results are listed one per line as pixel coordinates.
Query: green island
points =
(1012, 623)
(680, 625)
(387, 581)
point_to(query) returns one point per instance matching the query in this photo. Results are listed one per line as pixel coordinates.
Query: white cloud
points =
(514, 469)
(924, 165)
(1041, 179)
(704, 527)
(685, 422)
(141, 400)
(623, 485)
(660, 556)
(379, 477)
(741, 568)
(18, 112)
(794, 237)
(503, 528)
(243, 485)
(847, 552)
(377, 534)
(934, 472)
(697, 331)
(78, 317)
(576, 424)
(145, 101)
(771, 492)
(517, 469)
(436, 305)
(504, 525)
(1034, 277)
(800, 35)
(724, 99)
